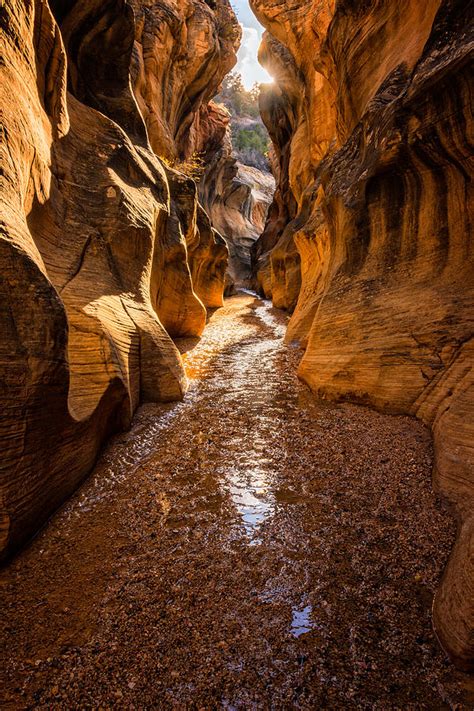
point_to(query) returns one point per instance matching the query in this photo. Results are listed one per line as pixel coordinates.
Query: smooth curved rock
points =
(371, 117)
(96, 237)
(236, 196)
(183, 50)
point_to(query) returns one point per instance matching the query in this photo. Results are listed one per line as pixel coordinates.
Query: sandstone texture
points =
(177, 65)
(369, 237)
(105, 250)
(236, 196)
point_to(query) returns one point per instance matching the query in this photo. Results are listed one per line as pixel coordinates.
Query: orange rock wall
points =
(183, 50)
(369, 240)
(235, 196)
(104, 250)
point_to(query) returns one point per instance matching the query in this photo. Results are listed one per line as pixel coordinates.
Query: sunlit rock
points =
(99, 239)
(369, 235)
(235, 196)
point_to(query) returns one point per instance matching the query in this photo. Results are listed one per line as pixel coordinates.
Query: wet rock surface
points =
(371, 122)
(248, 548)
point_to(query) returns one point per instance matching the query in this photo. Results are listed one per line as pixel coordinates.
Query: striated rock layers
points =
(105, 250)
(236, 196)
(369, 238)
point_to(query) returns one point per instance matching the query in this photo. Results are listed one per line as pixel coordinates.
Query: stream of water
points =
(247, 548)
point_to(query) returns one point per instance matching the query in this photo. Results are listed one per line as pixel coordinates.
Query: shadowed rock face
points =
(369, 236)
(183, 50)
(104, 251)
(235, 196)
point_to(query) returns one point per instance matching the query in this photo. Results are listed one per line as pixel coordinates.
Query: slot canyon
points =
(236, 354)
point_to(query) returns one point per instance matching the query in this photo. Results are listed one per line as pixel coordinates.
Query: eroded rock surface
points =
(369, 236)
(236, 196)
(104, 250)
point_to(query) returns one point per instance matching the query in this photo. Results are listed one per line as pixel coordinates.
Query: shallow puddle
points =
(301, 621)
(248, 548)
(251, 494)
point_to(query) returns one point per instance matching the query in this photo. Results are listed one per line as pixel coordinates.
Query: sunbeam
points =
(248, 67)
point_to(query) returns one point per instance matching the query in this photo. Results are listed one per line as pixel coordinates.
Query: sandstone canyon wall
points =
(105, 250)
(369, 238)
(236, 196)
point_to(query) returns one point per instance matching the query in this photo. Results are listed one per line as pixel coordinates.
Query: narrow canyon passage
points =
(220, 556)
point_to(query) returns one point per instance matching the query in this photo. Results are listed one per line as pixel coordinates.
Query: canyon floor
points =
(248, 548)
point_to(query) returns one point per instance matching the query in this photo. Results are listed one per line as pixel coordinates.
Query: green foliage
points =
(237, 99)
(254, 138)
(249, 136)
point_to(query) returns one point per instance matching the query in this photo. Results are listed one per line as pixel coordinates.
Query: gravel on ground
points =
(248, 548)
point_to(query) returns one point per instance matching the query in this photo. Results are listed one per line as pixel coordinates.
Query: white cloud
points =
(245, 14)
(247, 65)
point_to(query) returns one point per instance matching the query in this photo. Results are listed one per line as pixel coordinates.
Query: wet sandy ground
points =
(248, 548)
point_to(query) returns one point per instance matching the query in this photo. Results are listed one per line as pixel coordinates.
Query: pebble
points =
(179, 562)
